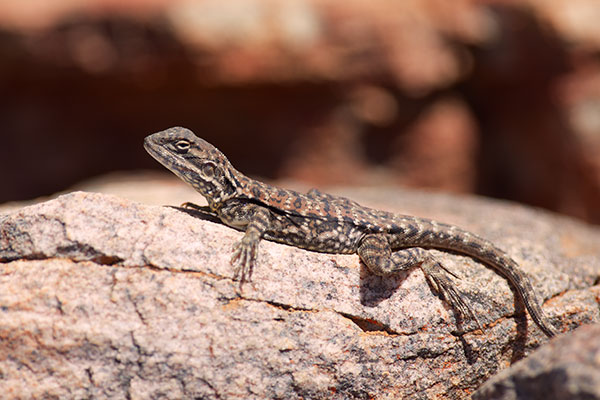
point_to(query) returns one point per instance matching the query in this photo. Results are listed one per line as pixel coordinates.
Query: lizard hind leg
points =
(376, 253)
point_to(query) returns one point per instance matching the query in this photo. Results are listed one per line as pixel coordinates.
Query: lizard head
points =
(195, 161)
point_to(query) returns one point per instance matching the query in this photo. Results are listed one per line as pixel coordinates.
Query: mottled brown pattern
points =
(386, 242)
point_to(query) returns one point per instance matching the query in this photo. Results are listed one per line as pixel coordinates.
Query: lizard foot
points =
(242, 260)
(437, 276)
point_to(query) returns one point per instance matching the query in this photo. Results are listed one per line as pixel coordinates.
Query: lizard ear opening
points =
(208, 169)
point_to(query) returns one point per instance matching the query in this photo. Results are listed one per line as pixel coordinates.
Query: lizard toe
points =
(242, 260)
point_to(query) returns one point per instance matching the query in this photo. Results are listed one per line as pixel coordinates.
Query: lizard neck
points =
(230, 185)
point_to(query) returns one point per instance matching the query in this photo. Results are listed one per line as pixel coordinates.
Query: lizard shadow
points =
(200, 212)
(374, 289)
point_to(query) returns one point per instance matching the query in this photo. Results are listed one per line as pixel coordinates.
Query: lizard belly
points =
(324, 236)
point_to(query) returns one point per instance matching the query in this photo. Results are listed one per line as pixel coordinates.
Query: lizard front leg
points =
(376, 253)
(255, 220)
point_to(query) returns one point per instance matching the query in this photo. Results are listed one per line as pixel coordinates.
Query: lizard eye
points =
(182, 146)
(208, 169)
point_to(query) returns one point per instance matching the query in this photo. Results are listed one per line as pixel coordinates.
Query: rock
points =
(566, 369)
(106, 297)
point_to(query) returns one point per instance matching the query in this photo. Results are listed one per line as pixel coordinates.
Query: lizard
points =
(385, 242)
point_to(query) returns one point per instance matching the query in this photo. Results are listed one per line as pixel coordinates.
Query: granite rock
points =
(106, 297)
(566, 369)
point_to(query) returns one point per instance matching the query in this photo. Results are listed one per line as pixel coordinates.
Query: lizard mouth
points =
(157, 151)
(150, 145)
(174, 164)
(160, 154)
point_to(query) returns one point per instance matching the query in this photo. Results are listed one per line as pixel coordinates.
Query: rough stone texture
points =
(106, 297)
(566, 369)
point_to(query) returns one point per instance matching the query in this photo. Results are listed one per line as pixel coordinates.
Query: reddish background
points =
(496, 98)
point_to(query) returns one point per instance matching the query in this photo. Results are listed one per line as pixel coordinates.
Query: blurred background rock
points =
(498, 98)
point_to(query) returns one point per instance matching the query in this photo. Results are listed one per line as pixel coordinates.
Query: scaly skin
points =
(385, 242)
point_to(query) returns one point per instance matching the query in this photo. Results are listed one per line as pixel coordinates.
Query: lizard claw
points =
(242, 260)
